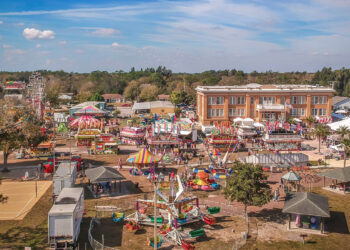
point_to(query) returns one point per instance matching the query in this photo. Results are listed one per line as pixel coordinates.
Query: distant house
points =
(113, 98)
(157, 107)
(66, 97)
(340, 102)
(163, 97)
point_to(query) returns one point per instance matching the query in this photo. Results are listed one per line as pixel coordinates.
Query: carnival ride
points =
(203, 182)
(174, 213)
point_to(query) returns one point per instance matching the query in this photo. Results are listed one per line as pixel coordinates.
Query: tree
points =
(19, 127)
(97, 97)
(178, 97)
(310, 120)
(149, 94)
(342, 131)
(320, 131)
(132, 90)
(248, 187)
(51, 96)
(346, 144)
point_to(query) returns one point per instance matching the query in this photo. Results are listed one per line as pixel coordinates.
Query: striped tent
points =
(143, 157)
(216, 152)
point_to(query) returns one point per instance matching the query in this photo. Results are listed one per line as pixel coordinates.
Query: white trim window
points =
(232, 100)
(231, 112)
(220, 100)
(283, 100)
(323, 99)
(212, 100)
(219, 112)
(240, 112)
(293, 100)
(293, 112)
(314, 99)
(241, 100)
(302, 99)
(322, 112)
(314, 112)
(301, 112)
(252, 100)
(211, 112)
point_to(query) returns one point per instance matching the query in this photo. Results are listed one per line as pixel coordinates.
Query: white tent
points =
(258, 125)
(340, 111)
(238, 119)
(297, 120)
(338, 124)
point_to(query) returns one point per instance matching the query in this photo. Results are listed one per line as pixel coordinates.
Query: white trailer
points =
(64, 218)
(64, 177)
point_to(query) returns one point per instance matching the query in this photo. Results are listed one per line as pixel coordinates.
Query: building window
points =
(211, 112)
(211, 100)
(240, 112)
(314, 99)
(232, 100)
(267, 100)
(314, 112)
(241, 100)
(220, 100)
(323, 99)
(293, 112)
(322, 112)
(252, 111)
(252, 100)
(231, 112)
(293, 100)
(302, 100)
(219, 112)
(283, 100)
(301, 112)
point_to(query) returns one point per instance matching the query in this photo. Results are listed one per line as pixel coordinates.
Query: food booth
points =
(85, 137)
(132, 135)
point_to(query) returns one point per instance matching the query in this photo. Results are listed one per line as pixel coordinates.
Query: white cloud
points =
(105, 32)
(115, 45)
(6, 46)
(38, 46)
(33, 34)
(62, 42)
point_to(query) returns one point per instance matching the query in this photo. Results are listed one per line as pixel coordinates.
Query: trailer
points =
(64, 177)
(64, 218)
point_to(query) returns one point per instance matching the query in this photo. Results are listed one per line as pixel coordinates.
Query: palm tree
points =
(342, 131)
(346, 144)
(310, 120)
(320, 131)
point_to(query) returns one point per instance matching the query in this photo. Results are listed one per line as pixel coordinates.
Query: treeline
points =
(147, 84)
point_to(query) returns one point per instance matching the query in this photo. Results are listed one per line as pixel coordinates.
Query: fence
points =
(94, 243)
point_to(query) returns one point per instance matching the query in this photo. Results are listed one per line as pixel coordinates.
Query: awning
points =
(305, 203)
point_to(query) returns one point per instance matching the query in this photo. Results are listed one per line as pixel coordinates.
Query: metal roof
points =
(149, 105)
(65, 168)
(69, 193)
(340, 174)
(305, 203)
(103, 174)
(291, 176)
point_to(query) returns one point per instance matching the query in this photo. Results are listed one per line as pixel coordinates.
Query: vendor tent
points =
(291, 176)
(103, 174)
(85, 121)
(338, 124)
(340, 174)
(143, 157)
(306, 204)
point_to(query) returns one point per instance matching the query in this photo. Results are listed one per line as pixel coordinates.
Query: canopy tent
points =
(305, 203)
(338, 124)
(85, 121)
(258, 125)
(103, 174)
(238, 119)
(340, 174)
(297, 120)
(143, 157)
(340, 111)
(89, 110)
(291, 176)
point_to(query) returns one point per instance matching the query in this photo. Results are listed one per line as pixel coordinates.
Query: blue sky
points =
(185, 36)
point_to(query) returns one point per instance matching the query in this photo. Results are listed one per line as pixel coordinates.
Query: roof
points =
(62, 209)
(103, 174)
(150, 105)
(73, 194)
(338, 124)
(163, 96)
(113, 96)
(85, 104)
(65, 168)
(291, 176)
(143, 157)
(340, 174)
(253, 87)
(336, 100)
(89, 110)
(305, 203)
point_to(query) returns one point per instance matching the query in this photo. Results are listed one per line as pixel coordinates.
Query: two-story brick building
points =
(262, 102)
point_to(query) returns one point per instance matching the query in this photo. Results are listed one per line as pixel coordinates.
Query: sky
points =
(184, 36)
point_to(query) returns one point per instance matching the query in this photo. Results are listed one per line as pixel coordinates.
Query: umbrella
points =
(143, 157)
(216, 152)
(238, 119)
